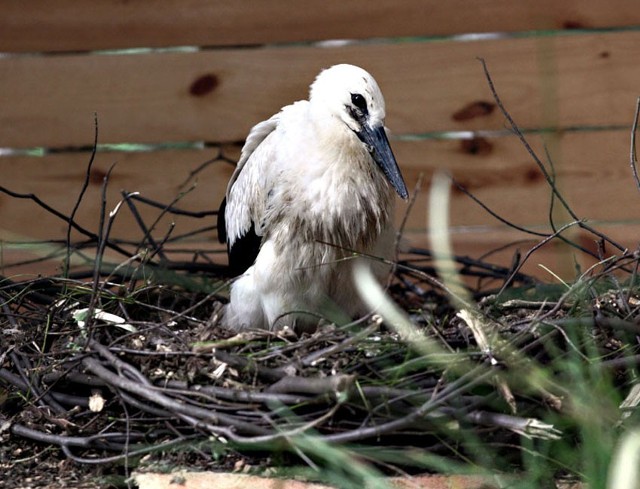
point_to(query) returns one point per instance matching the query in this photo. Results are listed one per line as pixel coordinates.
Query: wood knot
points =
(479, 108)
(203, 85)
(572, 25)
(97, 176)
(533, 175)
(476, 146)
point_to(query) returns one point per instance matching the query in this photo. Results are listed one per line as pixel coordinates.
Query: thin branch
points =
(60, 215)
(146, 232)
(171, 209)
(632, 156)
(492, 213)
(531, 251)
(539, 163)
(103, 239)
(85, 185)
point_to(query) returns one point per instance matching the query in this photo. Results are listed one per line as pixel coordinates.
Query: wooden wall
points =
(568, 72)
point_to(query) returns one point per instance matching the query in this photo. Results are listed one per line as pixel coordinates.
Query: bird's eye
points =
(359, 101)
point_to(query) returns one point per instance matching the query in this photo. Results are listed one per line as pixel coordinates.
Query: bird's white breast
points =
(327, 186)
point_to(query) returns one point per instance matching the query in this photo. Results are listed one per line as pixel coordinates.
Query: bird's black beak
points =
(380, 149)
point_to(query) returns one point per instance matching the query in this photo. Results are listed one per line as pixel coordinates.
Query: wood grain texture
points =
(591, 168)
(500, 246)
(161, 176)
(587, 80)
(494, 245)
(67, 25)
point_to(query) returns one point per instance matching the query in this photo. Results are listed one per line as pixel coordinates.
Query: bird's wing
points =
(243, 206)
(256, 136)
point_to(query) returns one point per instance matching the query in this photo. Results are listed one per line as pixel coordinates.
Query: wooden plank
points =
(67, 25)
(592, 171)
(498, 246)
(492, 244)
(161, 176)
(218, 95)
(591, 167)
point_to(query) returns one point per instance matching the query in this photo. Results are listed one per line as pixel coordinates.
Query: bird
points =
(313, 188)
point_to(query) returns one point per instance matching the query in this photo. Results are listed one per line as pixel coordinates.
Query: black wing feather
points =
(222, 223)
(245, 249)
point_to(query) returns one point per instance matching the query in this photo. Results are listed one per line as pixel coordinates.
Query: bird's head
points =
(351, 96)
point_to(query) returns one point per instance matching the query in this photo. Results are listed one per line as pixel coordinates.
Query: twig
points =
(416, 191)
(322, 385)
(146, 232)
(103, 239)
(237, 395)
(632, 152)
(494, 214)
(489, 270)
(85, 185)
(528, 427)
(153, 447)
(531, 251)
(206, 418)
(219, 157)
(469, 380)
(171, 209)
(29, 196)
(535, 158)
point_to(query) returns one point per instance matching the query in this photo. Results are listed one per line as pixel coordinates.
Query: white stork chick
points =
(314, 184)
